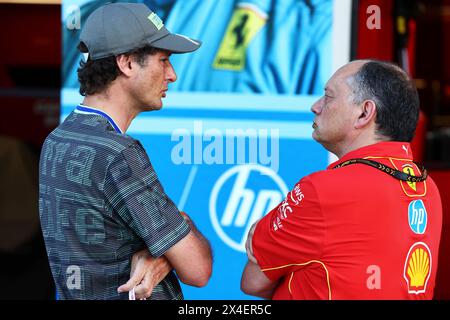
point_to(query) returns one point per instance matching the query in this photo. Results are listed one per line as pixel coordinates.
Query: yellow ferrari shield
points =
(242, 28)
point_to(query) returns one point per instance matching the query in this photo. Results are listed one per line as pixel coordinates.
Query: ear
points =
(125, 64)
(368, 114)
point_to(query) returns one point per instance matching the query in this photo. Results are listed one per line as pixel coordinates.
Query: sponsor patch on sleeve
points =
(411, 189)
(285, 208)
(417, 268)
(417, 216)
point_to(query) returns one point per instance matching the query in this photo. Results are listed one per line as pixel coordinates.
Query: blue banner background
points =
(282, 79)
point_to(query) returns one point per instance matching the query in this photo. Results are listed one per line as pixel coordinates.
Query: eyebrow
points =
(169, 53)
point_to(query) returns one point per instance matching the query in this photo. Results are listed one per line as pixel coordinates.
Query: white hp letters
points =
(244, 206)
(418, 216)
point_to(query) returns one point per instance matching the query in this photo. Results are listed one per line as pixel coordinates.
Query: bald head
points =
(354, 66)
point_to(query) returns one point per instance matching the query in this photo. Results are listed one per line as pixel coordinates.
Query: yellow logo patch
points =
(157, 22)
(407, 168)
(411, 189)
(242, 28)
(417, 269)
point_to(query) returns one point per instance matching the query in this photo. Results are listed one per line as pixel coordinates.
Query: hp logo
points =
(417, 216)
(242, 195)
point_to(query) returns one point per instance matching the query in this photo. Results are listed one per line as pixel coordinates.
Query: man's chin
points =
(319, 139)
(154, 107)
(315, 136)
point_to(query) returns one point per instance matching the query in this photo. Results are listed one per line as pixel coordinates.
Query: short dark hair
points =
(96, 75)
(395, 97)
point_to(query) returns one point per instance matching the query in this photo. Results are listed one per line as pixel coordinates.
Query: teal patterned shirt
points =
(100, 201)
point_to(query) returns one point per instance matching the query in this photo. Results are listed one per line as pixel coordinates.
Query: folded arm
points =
(191, 257)
(254, 282)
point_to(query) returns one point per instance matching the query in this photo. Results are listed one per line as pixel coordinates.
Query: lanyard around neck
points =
(391, 171)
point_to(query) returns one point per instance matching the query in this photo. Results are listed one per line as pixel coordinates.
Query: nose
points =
(171, 75)
(317, 106)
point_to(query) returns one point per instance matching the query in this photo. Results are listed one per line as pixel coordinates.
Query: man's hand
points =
(146, 273)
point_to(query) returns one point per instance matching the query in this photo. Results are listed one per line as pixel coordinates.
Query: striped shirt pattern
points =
(100, 201)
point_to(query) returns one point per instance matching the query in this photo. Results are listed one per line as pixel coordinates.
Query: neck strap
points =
(391, 171)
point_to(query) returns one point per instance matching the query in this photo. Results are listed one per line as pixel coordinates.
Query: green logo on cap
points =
(153, 17)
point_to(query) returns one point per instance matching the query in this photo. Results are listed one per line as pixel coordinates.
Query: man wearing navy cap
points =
(104, 213)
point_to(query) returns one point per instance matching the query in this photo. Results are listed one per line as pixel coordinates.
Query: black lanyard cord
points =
(391, 171)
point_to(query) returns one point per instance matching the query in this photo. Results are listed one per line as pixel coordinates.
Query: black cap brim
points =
(176, 43)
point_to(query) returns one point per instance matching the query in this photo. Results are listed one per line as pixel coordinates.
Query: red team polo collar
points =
(391, 149)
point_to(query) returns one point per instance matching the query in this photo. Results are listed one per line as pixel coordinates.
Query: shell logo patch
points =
(417, 269)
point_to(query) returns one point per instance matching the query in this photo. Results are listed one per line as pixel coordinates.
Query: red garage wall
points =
(380, 44)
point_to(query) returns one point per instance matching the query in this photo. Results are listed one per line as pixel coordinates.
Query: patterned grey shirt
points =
(100, 201)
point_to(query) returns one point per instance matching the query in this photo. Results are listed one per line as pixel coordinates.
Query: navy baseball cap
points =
(117, 28)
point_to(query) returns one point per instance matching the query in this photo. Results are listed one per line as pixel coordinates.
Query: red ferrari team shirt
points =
(354, 232)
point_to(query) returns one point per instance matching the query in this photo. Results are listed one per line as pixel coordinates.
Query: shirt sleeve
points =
(135, 193)
(290, 236)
